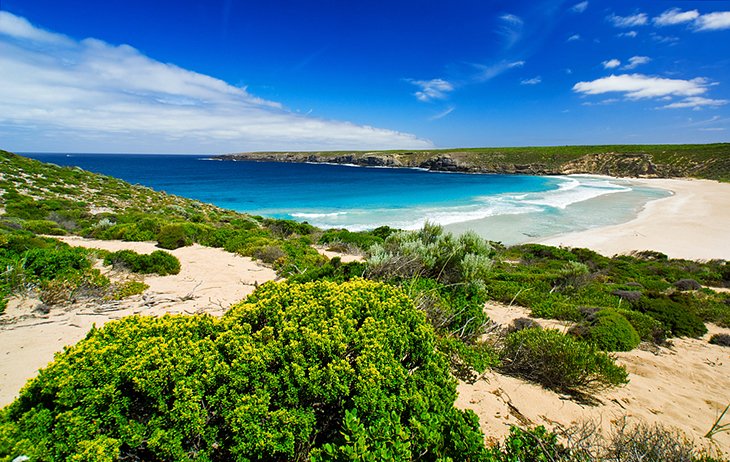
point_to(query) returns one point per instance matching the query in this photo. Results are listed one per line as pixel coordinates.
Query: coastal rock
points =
(442, 163)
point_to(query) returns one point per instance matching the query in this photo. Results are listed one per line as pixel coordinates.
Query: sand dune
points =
(684, 386)
(210, 280)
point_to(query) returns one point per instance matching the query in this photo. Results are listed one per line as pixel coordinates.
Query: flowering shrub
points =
(319, 371)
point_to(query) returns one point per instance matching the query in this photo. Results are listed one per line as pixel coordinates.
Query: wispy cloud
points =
(639, 86)
(668, 39)
(696, 102)
(635, 61)
(114, 96)
(489, 71)
(532, 81)
(713, 21)
(675, 16)
(638, 19)
(573, 38)
(432, 89)
(579, 7)
(630, 34)
(510, 29)
(611, 63)
(442, 114)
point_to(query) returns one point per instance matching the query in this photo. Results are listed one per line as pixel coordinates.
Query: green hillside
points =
(708, 161)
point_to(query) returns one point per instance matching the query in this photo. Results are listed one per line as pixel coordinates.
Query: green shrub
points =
(431, 253)
(50, 263)
(43, 227)
(316, 371)
(362, 240)
(559, 362)
(158, 262)
(172, 237)
(677, 320)
(127, 289)
(648, 328)
(609, 331)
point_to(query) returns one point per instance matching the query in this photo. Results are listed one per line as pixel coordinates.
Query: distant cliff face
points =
(656, 163)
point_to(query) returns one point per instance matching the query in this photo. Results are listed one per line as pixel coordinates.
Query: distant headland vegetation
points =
(706, 161)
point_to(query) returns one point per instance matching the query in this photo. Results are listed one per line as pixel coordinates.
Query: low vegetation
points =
(576, 284)
(584, 442)
(158, 262)
(559, 362)
(318, 371)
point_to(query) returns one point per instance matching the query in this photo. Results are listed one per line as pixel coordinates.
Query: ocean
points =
(506, 208)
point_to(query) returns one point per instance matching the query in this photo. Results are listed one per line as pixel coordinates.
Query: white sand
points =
(685, 386)
(694, 223)
(210, 280)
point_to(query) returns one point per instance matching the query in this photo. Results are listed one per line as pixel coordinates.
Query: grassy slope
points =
(710, 161)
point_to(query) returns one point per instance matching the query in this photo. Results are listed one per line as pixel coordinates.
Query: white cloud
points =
(488, 72)
(611, 63)
(532, 81)
(98, 96)
(442, 114)
(696, 102)
(637, 86)
(630, 34)
(638, 19)
(635, 61)
(669, 39)
(573, 37)
(510, 29)
(432, 89)
(675, 16)
(579, 7)
(713, 21)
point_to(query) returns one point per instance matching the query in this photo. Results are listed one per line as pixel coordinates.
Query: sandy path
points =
(685, 386)
(694, 223)
(210, 280)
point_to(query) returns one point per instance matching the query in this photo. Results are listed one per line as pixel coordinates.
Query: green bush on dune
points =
(609, 330)
(318, 371)
(158, 262)
(559, 362)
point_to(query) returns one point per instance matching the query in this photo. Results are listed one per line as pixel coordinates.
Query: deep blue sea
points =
(508, 208)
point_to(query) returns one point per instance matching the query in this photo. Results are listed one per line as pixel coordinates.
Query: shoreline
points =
(693, 223)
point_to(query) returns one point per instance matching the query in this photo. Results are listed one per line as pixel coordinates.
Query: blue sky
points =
(225, 76)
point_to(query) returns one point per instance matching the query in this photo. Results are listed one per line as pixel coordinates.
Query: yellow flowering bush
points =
(318, 371)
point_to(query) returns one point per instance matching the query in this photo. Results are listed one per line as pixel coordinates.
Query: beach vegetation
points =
(687, 284)
(128, 289)
(173, 236)
(158, 262)
(676, 319)
(609, 330)
(559, 362)
(318, 371)
(549, 282)
(720, 339)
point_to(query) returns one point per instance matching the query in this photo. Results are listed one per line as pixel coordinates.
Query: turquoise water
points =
(508, 208)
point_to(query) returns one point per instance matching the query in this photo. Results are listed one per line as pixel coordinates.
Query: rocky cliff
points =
(704, 161)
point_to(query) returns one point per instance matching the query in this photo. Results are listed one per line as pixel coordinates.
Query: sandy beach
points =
(693, 223)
